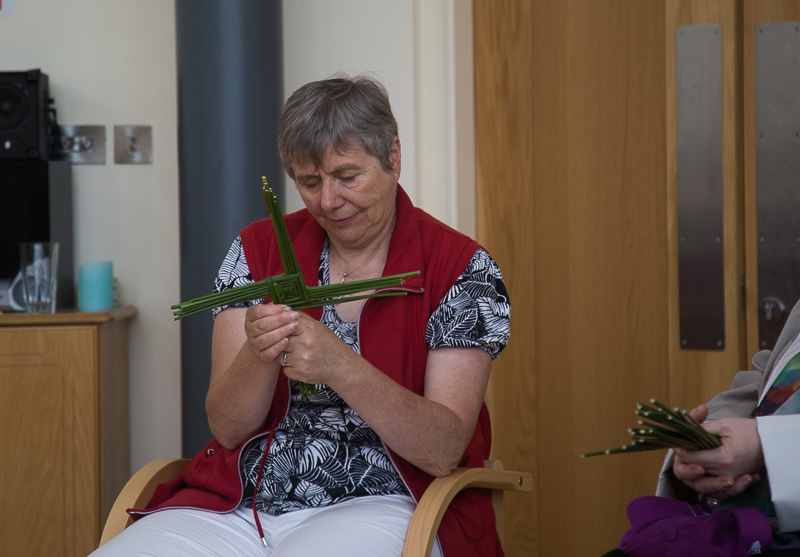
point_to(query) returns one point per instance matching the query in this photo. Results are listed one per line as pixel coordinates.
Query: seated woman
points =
(400, 381)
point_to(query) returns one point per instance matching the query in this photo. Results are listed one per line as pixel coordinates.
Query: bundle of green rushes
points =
(664, 428)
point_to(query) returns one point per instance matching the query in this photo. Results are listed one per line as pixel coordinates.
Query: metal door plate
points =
(699, 161)
(777, 174)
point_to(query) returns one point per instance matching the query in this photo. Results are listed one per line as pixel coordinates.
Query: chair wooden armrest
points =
(431, 507)
(424, 523)
(138, 491)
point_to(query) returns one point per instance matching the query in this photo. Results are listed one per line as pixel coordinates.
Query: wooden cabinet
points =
(64, 428)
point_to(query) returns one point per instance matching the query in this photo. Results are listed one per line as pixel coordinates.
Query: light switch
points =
(133, 144)
(81, 144)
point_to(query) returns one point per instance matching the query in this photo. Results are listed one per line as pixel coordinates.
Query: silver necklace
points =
(367, 260)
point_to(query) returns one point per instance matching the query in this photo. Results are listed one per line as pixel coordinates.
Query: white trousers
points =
(361, 527)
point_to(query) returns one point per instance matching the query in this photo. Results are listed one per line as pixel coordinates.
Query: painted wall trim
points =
(445, 112)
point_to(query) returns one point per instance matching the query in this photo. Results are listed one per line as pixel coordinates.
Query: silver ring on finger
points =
(285, 363)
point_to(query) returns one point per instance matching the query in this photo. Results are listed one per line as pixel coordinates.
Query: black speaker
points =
(36, 201)
(28, 128)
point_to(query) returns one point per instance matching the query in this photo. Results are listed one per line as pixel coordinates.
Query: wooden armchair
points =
(421, 531)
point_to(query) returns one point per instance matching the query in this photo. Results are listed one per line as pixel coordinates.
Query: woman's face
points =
(351, 195)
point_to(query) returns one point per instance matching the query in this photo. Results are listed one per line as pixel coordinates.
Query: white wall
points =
(321, 38)
(113, 62)
(422, 51)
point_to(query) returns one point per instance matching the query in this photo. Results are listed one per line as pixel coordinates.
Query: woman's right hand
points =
(267, 327)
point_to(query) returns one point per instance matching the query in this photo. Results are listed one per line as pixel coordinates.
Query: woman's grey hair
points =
(343, 112)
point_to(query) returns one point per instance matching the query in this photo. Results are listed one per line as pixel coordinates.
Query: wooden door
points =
(576, 170)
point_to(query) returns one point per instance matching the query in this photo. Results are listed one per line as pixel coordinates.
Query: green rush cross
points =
(290, 288)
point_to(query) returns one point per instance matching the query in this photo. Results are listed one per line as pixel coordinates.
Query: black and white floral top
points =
(323, 452)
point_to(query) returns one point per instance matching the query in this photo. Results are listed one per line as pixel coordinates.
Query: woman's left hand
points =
(315, 354)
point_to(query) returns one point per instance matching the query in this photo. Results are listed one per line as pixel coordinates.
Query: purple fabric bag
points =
(664, 527)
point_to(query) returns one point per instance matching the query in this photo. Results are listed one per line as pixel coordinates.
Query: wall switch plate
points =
(133, 144)
(81, 144)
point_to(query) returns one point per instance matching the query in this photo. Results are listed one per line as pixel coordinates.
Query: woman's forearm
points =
(431, 432)
(245, 356)
(238, 401)
(423, 432)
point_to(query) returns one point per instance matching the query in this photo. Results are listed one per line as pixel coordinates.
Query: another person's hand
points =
(727, 470)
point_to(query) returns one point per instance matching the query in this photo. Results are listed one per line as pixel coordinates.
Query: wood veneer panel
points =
(504, 168)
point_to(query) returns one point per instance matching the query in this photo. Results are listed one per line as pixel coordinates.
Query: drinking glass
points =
(39, 265)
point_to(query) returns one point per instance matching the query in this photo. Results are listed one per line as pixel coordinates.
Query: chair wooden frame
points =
(424, 524)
